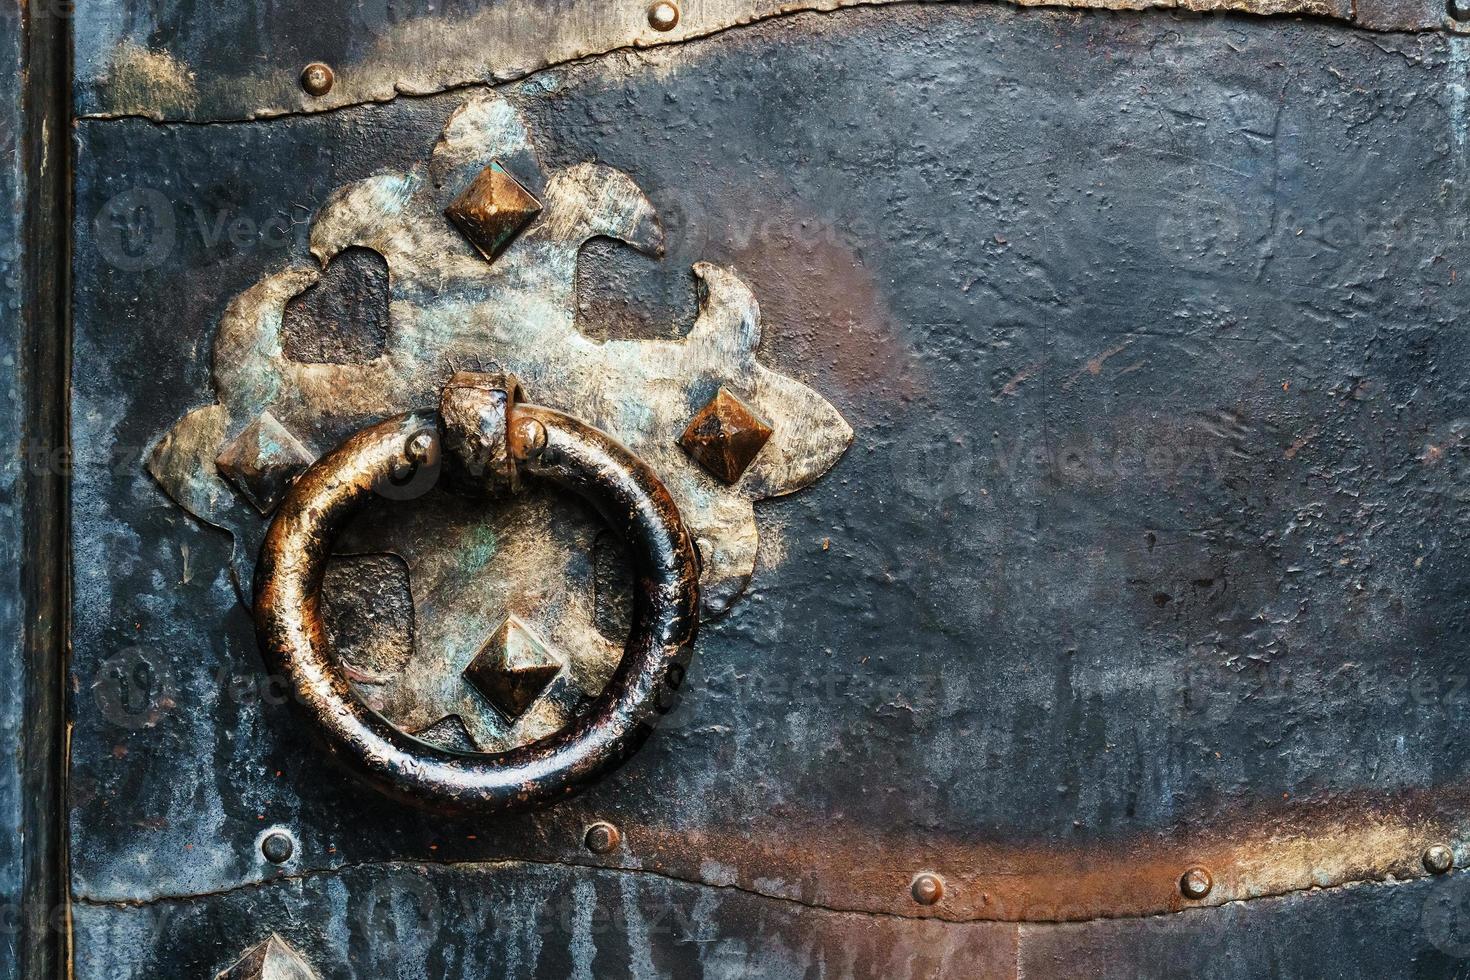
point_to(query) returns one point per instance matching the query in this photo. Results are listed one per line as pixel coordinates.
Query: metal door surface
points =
(826, 490)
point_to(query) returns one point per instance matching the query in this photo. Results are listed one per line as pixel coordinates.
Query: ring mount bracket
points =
(474, 424)
(486, 434)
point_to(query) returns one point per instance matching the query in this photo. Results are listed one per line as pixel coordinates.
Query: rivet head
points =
(317, 78)
(1438, 859)
(663, 16)
(514, 668)
(603, 838)
(277, 847)
(1196, 883)
(263, 461)
(927, 888)
(725, 436)
(270, 960)
(492, 210)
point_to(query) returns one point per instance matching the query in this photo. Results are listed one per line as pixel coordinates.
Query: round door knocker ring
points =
(486, 438)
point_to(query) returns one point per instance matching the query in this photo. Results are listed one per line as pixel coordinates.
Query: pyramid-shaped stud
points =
(493, 210)
(273, 959)
(726, 436)
(264, 461)
(513, 669)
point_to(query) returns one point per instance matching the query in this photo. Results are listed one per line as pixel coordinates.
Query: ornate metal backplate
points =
(481, 271)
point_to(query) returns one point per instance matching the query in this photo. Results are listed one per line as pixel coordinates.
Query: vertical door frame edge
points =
(46, 166)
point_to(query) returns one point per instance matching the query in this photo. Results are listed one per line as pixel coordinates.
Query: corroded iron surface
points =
(1149, 556)
(596, 923)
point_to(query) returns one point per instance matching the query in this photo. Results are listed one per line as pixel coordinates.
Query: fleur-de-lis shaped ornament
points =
(481, 251)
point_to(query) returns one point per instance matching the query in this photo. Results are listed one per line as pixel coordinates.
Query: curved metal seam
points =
(1249, 8)
(512, 863)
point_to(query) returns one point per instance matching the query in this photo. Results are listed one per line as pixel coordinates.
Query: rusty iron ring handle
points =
(489, 437)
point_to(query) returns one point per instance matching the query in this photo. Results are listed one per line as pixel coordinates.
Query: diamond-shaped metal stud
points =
(513, 668)
(273, 959)
(726, 436)
(264, 461)
(493, 210)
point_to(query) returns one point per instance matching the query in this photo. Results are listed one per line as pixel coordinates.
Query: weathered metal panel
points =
(1146, 554)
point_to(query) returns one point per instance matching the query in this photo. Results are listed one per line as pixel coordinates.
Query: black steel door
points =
(825, 490)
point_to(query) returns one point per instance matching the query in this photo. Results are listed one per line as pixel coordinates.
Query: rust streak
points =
(1301, 442)
(1025, 374)
(1094, 366)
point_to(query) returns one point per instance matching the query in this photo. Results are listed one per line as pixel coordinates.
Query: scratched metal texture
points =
(1148, 329)
(12, 621)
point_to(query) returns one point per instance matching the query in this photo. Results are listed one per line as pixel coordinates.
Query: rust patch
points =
(831, 315)
(1094, 366)
(1255, 852)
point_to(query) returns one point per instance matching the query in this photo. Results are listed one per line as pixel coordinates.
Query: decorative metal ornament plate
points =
(449, 306)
